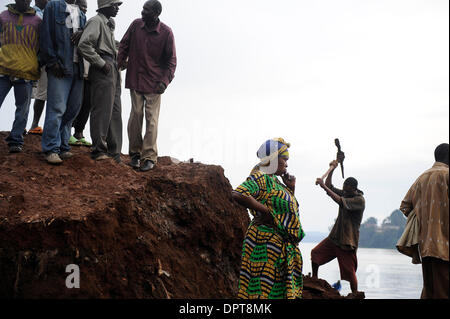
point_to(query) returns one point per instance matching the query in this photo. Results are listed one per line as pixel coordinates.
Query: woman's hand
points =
(289, 181)
(250, 203)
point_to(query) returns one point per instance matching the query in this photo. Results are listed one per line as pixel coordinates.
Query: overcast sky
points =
(374, 73)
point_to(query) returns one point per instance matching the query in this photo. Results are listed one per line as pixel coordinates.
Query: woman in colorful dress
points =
(271, 260)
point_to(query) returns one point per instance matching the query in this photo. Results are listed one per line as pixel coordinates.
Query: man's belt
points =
(108, 57)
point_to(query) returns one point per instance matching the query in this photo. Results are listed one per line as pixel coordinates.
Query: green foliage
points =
(385, 236)
(371, 221)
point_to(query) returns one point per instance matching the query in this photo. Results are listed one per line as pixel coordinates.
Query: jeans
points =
(22, 94)
(64, 97)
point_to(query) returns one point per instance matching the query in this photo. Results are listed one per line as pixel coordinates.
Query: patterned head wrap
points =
(272, 149)
(268, 154)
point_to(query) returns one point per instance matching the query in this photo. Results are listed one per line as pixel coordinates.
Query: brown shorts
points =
(326, 251)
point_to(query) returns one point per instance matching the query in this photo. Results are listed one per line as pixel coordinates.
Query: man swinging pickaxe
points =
(339, 157)
(342, 242)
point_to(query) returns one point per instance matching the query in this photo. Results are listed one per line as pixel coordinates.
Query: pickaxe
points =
(340, 158)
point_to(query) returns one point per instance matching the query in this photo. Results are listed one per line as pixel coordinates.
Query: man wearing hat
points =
(98, 47)
(342, 242)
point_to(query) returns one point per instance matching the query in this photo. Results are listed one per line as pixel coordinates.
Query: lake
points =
(382, 273)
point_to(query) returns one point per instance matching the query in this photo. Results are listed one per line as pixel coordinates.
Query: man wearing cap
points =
(148, 51)
(342, 242)
(61, 27)
(98, 47)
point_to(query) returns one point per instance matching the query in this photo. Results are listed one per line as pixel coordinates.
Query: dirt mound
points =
(315, 288)
(172, 233)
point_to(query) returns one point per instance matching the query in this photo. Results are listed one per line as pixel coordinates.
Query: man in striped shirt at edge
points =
(19, 44)
(428, 197)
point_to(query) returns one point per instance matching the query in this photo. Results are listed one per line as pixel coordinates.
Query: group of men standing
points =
(56, 37)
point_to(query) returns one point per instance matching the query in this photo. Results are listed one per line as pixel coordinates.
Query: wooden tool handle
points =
(328, 172)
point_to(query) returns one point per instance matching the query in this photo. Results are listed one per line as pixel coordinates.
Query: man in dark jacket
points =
(61, 29)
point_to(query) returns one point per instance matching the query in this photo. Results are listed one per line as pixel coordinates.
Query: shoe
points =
(135, 162)
(66, 155)
(73, 141)
(13, 149)
(53, 158)
(102, 157)
(83, 142)
(36, 131)
(147, 166)
(116, 159)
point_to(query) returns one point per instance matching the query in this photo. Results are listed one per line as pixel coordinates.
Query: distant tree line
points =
(385, 236)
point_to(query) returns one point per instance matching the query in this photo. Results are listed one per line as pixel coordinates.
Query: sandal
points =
(73, 141)
(37, 131)
(83, 142)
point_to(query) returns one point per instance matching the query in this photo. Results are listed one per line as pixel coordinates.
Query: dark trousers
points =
(106, 113)
(435, 278)
(80, 122)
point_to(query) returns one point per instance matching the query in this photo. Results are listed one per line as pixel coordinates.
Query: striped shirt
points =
(19, 43)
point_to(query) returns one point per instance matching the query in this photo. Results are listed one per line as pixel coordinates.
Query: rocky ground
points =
(172, 233)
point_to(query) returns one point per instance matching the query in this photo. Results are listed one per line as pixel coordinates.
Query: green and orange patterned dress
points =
(271, 260)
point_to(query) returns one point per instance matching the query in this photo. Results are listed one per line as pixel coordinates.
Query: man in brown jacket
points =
(342, 242)
(428, 197)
